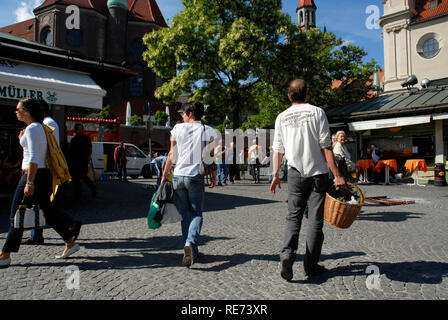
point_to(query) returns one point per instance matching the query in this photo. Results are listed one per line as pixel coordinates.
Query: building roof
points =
(24, 29)
(341, 84)
(423, 12)
(146, 10)
(99, 5)
(306, 3)
(104, 73)
(412, 102)
(139, 10)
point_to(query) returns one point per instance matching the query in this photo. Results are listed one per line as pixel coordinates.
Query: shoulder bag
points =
(29, 217)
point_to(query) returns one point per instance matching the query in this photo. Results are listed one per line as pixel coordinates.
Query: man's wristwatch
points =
(29, 182)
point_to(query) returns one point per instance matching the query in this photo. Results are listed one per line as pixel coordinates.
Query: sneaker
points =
(286, 271)
(187, 260)
(219, 184)
(316, 271)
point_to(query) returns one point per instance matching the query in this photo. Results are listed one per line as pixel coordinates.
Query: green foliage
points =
(345, 193)
(106, 114)
(136, 120)
(225, 53)
(161, 117)
(227, 124)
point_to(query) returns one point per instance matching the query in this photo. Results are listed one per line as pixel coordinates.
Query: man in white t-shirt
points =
(302, 135)
(188, 141)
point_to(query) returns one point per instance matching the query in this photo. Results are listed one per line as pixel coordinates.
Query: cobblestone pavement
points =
(241, 239)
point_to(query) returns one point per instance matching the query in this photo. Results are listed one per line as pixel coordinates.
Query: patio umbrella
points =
(167, 111)
(128, 114)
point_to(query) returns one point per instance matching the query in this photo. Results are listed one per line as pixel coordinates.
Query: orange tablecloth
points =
(364, 164)
(413, 164)
(392, 163)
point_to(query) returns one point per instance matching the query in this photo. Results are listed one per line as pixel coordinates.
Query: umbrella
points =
(128, 114)
(167, 111)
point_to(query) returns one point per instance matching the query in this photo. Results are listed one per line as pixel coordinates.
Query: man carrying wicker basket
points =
(302, 135)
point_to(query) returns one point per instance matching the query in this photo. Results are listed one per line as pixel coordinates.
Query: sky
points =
(351, 20)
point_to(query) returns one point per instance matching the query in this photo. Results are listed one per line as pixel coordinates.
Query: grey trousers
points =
(303, 192)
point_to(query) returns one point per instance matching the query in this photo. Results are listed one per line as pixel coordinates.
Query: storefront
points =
(72, 86)
(407, 125)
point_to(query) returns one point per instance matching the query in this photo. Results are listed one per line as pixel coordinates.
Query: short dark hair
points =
(79, 125)
(33, 107)
(177, 106)
(45, 106)
(297, 90)
(196, 107)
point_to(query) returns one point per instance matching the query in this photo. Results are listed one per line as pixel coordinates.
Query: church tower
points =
(116, 34)
(306, 14)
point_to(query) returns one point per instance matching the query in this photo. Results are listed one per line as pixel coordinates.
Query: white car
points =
(138, 164)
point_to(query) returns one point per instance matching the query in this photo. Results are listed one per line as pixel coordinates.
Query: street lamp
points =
(148, 127)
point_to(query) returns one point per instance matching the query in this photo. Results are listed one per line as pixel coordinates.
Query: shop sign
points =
(13, 92)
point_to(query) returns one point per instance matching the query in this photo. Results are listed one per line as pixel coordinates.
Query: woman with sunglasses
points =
(35, 183)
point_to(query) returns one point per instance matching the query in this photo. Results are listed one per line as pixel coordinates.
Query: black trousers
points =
(79, 175)
(302, 193)
(42, 192)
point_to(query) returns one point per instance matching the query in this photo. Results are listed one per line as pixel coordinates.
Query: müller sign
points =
(13, 92)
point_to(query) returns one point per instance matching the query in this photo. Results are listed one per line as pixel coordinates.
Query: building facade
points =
(415, 34)
(110, 31)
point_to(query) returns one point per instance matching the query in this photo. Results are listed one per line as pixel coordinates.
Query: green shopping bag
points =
(152, 224)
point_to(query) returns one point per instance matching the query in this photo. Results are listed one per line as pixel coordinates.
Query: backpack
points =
(56, 162)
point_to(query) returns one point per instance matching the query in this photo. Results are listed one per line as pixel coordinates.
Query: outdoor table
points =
(389, 163)
(415, 165)
(365, 164)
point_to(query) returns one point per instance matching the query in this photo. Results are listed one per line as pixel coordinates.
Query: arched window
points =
(136, 83)
(301, 18)
(46, 36)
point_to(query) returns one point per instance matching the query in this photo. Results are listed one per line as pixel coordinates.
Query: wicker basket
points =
(341, 214)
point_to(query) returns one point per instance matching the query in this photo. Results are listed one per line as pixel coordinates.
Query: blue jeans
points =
(189, 201)
(222, 172)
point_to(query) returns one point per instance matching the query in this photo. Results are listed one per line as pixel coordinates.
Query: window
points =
(433, 4)
(136, 83)
(430, 48)
(74, 38)
(47, 37)
(429, 45)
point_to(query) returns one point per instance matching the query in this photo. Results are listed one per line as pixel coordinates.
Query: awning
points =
(388, 123)
(56, 86)
(442, 116)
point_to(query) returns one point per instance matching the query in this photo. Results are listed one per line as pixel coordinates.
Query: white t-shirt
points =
(190, 141)
(34, 144)
(301, 132)
(50, 122)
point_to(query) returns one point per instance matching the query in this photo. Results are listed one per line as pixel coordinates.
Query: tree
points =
(161, 117)
(319, 58)
(225, 53)
(215, 50)
(106, 114)
(136, 120)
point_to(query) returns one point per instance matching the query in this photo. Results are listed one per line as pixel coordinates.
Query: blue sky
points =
(346, 18)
